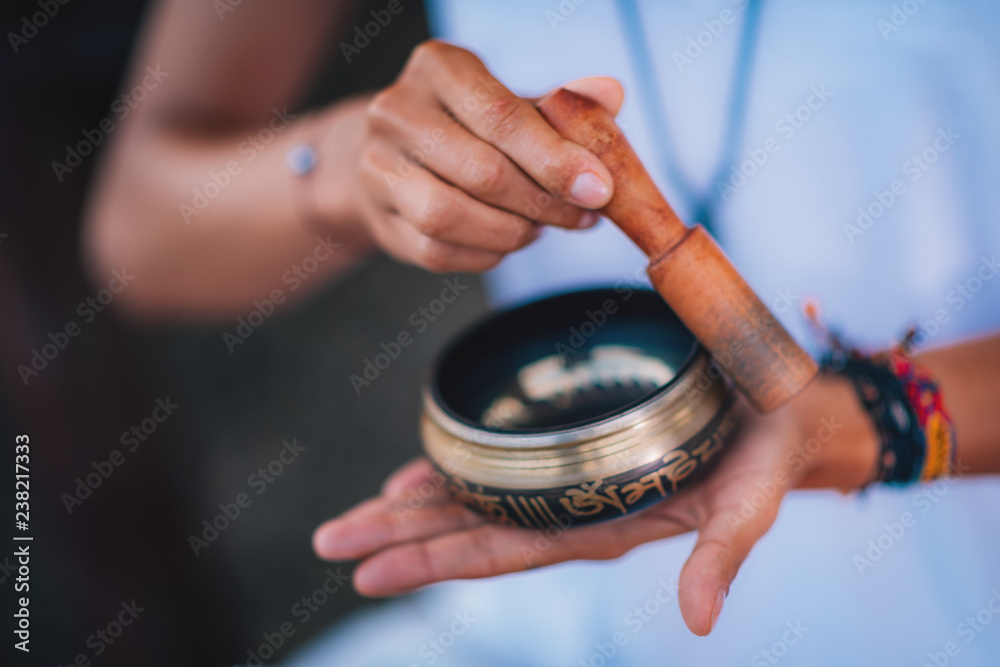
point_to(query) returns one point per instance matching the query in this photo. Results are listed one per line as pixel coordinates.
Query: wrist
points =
(337, 136)
(837, 433)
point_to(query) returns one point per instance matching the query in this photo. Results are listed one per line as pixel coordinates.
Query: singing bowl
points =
(577, 408)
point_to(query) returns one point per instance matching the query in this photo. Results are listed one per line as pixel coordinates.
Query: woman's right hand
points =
(456, 171)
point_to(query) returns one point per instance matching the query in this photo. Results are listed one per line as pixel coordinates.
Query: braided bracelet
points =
(916, 433)
(933, 420)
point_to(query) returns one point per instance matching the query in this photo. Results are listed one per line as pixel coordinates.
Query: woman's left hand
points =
(821, 438)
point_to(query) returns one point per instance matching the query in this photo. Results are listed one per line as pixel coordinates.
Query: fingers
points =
(457, 171)
(359, 535)
(420, 136)
(401, 240)
(489, 550)
(499, 117)
(415, 486)
(712, 566)
(755, 475)
(442, 212)
(407, 546)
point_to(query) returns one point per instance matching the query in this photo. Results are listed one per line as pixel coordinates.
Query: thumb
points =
(723, 544)
(602, 89)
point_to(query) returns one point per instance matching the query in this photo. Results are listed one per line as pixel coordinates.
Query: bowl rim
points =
(448, 419)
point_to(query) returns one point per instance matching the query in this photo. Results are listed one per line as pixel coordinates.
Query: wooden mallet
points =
(686, 266)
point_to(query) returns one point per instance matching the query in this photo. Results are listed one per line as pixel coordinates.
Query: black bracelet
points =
(883, 396)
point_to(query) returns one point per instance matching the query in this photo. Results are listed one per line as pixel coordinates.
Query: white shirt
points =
(873, 87)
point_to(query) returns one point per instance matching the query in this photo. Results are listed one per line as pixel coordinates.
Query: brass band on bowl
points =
(586, 471)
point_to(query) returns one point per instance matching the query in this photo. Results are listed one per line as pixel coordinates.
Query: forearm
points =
(207, 224)
(969, 378)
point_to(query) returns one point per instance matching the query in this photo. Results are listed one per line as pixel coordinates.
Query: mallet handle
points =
(687, 267)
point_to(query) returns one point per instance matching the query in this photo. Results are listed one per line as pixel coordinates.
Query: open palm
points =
(440, 539)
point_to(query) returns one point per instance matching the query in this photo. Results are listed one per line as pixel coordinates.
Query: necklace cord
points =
(702, 205)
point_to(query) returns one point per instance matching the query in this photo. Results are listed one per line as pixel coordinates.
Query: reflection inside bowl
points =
(559, 390)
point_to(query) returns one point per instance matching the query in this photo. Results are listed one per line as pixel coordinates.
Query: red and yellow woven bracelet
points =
(933, 418)
(916, 431)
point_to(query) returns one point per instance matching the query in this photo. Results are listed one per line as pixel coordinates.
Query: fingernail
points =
(719, 600)
(588, 220)
(589, 190)
(340, 542)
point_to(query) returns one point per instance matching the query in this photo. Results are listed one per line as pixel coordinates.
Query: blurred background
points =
(146, 441)
(130, 538)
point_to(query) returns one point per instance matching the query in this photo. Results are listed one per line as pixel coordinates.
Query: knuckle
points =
(521, 233)
(435, 256)
(554, 172)
(525, 233)
(431, 54)
(427, 50)
(484, 175)
(502, 116)
(368, 161)
(433, 215)
(383, 108)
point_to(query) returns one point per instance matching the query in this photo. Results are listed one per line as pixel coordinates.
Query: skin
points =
(460, 207)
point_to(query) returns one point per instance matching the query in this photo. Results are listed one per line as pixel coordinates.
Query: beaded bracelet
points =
(916, 432)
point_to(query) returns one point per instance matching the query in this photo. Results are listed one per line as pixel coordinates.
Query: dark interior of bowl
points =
(562, 362)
